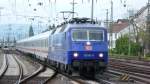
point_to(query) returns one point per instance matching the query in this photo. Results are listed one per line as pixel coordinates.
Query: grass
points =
(117, 56)
(147, 58)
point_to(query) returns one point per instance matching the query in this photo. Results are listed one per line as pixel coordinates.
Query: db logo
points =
(88, 47)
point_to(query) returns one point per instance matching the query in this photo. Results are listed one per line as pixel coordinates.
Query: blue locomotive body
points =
(80, 44)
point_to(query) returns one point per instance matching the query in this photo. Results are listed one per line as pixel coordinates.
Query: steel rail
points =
(32, 75)
(50, 78)
(20, 70)
(4, 66)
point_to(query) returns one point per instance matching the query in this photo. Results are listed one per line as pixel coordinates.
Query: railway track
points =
(4, 66)
(34, 74)
(20, 69)
(14, 66)
(34, 77)
(143, 63)
(137, 71)
(132, 67)
(10, 64)
(50, 78)
(104, 79)
(132, 76)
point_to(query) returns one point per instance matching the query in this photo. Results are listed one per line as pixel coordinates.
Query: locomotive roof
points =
(85, 25)
(74, 25)
(77, 23)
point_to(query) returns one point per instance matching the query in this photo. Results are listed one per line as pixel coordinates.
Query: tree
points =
(50, 27)
(31, 33)
(142, 36)
(122, 46)
(14, 42)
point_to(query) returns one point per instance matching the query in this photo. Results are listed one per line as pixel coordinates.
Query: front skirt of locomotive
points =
(90, 59)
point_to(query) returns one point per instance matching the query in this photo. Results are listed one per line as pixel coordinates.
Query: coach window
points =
(40, 43)
(45, 43)
(48, 42)
(26, 44)
(36, 43)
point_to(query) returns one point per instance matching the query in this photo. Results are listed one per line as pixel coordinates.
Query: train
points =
(78, 45)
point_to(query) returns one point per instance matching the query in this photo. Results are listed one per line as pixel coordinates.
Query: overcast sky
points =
(18, 11)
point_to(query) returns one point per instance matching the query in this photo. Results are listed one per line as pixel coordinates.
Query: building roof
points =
(123, 23)
(120, 25)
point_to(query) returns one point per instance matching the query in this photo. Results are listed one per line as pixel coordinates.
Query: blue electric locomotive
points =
(80, 45)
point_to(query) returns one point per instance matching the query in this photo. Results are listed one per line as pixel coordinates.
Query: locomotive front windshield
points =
(87, 35)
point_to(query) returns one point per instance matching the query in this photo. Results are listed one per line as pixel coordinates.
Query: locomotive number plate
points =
(88, 47)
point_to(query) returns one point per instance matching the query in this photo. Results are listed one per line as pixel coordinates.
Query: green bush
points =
(148, 55)
(122, 46)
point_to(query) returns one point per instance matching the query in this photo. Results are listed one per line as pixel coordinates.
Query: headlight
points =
(75, 55)
(88, 43)
(101, 55)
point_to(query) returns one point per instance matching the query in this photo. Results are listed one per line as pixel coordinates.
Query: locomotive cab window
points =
(87, 35)
(79, 35)
(95, 35)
